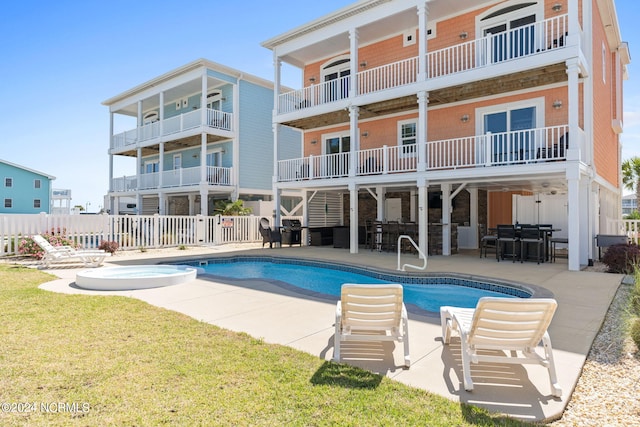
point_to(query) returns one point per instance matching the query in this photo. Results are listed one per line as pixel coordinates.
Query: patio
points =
(280, 316)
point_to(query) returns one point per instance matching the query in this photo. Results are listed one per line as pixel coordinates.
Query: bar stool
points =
(531, 236)
(506, 236)
(554, 241)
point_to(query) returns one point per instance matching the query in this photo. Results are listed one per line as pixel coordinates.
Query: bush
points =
(622, 258)
(28, 247)
(109, 246)
(635, 332)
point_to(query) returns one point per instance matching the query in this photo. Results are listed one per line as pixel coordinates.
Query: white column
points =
(446, 219)
(573, 169)
(573, 199)
(353, 46)
(421, 137)
(423, 13)
(473, 215)
(161, 113)
(277, 66)
(354, 134)
(353, 218)
(192, 201)
(204, 202)
(161, 165)
(203, 100)
(162, 203)
(423, 215)
(139, 122)
(203, 159)
(380, 192)
(277, 201)
(139, 166)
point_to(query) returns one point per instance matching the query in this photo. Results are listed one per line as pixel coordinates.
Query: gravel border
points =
(608, 391)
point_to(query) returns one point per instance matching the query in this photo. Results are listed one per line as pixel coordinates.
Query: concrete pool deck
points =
(281, 316)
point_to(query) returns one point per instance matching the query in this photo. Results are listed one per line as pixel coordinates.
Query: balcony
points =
(215, 120)
(531, 146)
(184, 177)
(494, 49)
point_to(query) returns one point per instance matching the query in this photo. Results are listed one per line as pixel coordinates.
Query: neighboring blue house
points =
(187, 157)
(24, 190)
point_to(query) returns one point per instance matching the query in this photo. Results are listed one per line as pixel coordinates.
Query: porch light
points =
(464, 35)
(556, 7)
(312, 79)
(365, 134)
(557, 104)
(363, 64)
(314, 142)
(464, 118)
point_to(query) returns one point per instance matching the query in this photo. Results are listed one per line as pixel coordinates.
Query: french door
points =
(512, 135)
(511, 39)
(337, 160)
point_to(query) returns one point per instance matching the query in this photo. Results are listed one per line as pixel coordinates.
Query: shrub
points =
(635, 332)
(28, 247)
(109, 246)
(622, 258)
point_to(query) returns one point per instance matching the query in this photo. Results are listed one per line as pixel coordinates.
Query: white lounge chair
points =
(371, 313)
(89, 257)
(508, 324)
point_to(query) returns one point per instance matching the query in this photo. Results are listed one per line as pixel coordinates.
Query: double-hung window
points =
(407, 137)
(8, 182)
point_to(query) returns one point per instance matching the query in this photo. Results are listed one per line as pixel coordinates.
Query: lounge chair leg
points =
(445, 322)
(405, 338)
(555, 387)
(466, 367)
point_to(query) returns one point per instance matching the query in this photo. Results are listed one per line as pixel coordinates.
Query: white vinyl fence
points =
(130, 231)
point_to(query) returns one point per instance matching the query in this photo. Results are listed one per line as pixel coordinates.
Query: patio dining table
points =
(546, 231)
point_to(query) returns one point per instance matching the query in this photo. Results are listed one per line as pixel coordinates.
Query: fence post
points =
(200, 229)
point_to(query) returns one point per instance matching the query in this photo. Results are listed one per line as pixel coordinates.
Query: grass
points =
(121, 361)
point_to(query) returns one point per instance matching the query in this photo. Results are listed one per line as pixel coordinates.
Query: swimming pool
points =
(426, 291)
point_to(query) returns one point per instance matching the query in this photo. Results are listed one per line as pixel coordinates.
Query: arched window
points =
(335, 75)
(511, 30)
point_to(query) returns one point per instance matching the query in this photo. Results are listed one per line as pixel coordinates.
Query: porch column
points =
(204, 201)
(353, 218)
(192, 202)
(161, 113)
(421, 138)
(274, 183)
(573, 20)
(573, 170)
(353, 47)
(354, 135)
(160, 165)
(380, 192)
(473, 214)
(139, 122)
(203, 158)
(423, 13)
(139, 167)
(203, 100)
(423, 215)
(277, 201)
(305, 217)
(573, 225)
(162, 203)
(446, 219)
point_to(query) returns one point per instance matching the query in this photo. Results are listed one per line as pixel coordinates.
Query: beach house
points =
(455, 116)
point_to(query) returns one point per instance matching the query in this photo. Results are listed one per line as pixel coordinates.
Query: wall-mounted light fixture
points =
(464, 118)
(365, 134)
(314, 141)
(556, 7)
(363, 64)
(312, 79)
(195, 156)
(464, 35)
(557, 104)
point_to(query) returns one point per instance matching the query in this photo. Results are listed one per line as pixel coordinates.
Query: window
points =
(150, 167)
(512, 127)
(36, 203)
(335, 76)
(177, 161)
(407, 137)
(8, 203)
(8, 182)
(336, 164)
(37, 183)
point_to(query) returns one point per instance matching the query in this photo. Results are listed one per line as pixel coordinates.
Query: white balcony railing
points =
(183, 177)
(214, 119)
(493, 49)
(490, 150)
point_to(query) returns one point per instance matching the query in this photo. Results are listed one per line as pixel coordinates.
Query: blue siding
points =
(256, 136)
(23, 192)
(290, 143)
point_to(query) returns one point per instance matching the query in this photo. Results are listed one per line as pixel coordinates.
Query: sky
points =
(60, 60)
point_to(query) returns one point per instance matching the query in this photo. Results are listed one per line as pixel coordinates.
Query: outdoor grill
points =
(291, 232)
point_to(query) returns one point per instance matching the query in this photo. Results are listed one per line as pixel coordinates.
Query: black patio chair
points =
(269, 235)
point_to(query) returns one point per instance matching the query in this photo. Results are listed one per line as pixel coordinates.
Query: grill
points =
(291, 232)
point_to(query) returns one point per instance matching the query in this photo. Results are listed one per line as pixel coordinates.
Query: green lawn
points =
(119, 361)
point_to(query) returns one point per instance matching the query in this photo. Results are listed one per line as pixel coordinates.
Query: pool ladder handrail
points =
(422, 255)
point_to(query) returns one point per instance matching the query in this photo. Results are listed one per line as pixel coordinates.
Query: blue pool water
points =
(329, 281)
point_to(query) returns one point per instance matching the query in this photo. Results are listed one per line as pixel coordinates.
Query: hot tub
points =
(134, 277)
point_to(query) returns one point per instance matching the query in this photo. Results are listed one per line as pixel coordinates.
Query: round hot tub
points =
(134, 277)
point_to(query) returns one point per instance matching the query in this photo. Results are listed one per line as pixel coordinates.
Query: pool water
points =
(429, 297)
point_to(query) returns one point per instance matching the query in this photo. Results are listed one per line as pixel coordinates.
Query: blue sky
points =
(61, 59)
